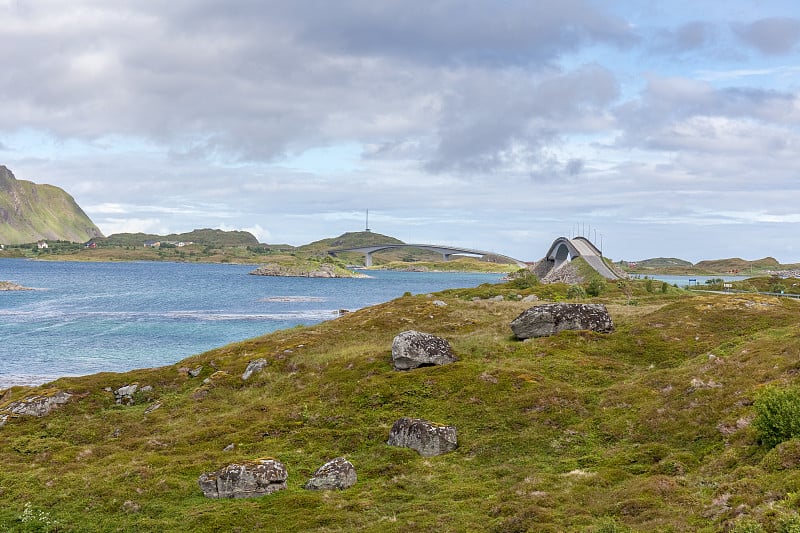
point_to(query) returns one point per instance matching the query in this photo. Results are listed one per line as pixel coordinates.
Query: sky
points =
(656, 128)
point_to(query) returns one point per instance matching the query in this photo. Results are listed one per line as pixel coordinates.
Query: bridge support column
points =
(368, 259)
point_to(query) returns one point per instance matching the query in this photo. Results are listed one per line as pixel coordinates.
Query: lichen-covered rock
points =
(427, 438)
(412, 349)
(38, 405)
(253, 367)
(549, 319)
(245, 480)
(124, 395)
(337, 474)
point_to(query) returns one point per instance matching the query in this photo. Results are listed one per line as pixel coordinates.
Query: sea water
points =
(84, 318)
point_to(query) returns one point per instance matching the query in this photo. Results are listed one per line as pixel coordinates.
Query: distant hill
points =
(739, 265)
(30, 212)
(735, 265)
(207, 237)
(349, 240)
(663, 262)
(368, 238)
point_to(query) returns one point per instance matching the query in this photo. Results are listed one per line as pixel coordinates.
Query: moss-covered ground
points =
(644, 429)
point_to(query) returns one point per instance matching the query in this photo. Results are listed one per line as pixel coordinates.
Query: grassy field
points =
(644, 429)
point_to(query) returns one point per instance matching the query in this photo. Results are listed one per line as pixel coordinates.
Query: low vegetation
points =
(674, 422)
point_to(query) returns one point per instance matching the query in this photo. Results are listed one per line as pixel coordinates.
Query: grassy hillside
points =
(205, 237)
(734, 265)
(645, 429)
(366, 238)
(30, 212)
(739, 265)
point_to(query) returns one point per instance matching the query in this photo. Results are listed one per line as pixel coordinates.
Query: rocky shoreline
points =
(8, 286)
(300, 271)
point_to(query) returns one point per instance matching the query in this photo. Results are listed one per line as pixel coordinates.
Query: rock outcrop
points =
(426, 438)
(305, 269)
(8, 286)
(336, 474)
(124, 395)
(253, 367)
(37, 405)
(412, 349)
(245, 480)
(549, 319)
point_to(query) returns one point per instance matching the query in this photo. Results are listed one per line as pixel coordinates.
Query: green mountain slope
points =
(30, 212)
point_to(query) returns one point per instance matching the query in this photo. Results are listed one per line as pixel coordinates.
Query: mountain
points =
(30, 212)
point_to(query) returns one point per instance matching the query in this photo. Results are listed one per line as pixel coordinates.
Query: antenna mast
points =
(366, 228)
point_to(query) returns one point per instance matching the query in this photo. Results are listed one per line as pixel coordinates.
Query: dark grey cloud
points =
(770, 36)
(502, 122)
(458, 31)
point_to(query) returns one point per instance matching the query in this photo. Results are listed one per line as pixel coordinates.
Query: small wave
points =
(293, 299)
(316, 314)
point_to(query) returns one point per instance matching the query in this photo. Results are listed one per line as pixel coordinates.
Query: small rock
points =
(476, 298)
(427, 438)
(338, 474)
(439, 303)
(124, 395)
(229, 447)
(246, 480)
(146, 388)
(498, 298)
(195, 371)
(131, 506)
(530, 298)
(253, 367)
(412, 349)
(152, 408)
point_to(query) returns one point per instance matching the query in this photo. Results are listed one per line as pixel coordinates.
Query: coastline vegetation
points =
(654, 427)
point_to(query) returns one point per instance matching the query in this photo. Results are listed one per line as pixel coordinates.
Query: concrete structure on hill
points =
(564, 249)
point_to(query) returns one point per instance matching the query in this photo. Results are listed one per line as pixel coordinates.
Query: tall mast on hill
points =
(366, 228)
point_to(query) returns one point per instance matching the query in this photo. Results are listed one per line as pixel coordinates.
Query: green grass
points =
(644, 429)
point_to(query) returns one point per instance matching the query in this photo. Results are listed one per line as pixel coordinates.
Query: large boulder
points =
(338, 474)
(427, 438)
(549, 319)
(412, 349)
(245, 480)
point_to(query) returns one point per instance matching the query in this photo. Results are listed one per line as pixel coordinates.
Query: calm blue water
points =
(92, 317)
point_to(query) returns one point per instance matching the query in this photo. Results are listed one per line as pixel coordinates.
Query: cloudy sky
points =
(668, 127)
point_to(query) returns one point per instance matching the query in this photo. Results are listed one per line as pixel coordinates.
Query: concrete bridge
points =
(564, 249)
(446, 252)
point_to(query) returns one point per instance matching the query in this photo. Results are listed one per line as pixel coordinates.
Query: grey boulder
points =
(426, 438)
(412, 349)
(336, 474)
(250, 479)
(549, 319)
